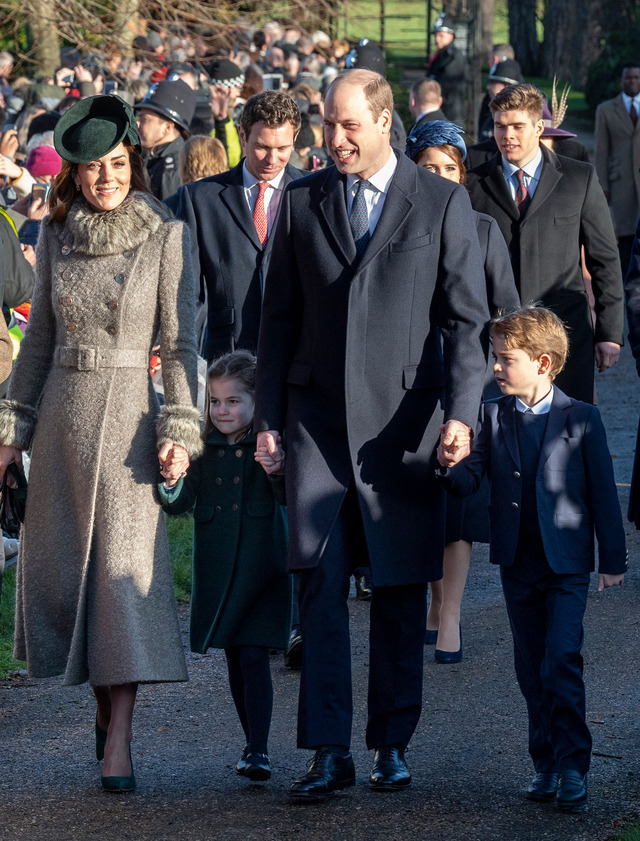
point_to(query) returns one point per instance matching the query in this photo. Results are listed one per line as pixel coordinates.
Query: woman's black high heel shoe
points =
(449, 656)
(101, 741)
(120, 784)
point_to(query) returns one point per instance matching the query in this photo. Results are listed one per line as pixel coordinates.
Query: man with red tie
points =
(231, 217)
(549, 208)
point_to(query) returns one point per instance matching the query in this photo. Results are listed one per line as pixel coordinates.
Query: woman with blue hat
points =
(94, 593)
(438, 147)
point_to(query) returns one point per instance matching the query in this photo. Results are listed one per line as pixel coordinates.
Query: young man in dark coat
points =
(370, 341)
(548, 208)
(229, 258)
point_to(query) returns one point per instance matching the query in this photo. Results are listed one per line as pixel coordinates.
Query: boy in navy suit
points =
(552, 482)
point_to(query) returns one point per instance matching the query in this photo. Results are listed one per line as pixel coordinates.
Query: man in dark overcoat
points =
(558, 210)
(229, 258)
(370, 340)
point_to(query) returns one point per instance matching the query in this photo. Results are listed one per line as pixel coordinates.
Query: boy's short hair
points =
(535, 330)
(523, 97)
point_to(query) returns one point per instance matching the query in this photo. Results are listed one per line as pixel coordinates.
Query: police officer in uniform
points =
(447, 66)
(164, 116)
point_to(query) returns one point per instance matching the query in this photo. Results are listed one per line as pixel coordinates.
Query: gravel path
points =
(468, 756)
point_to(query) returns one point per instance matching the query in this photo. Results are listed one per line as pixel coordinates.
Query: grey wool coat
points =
(95, 595)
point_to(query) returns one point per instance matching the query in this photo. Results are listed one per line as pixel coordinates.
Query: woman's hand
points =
(10, 455)
(174, 462)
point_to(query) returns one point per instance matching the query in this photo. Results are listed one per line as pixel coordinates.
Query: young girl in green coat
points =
(241, 597)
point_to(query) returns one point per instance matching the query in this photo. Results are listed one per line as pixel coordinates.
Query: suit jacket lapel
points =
(233, 197)
(333, 207)
(549, 177)
(507, 422)
(555, 424)
(622, 115)
(397, 204)
(496, 186)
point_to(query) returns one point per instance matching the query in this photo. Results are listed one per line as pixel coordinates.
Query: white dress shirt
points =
(272, 195)
(628, 100)
(376, 193)
(542, 407)
(531, 170)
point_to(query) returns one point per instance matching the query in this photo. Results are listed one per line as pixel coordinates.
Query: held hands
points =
(455, 443)
(269, 452)
(174, 462)
(607, 354)
(605, 581)
(10, 455)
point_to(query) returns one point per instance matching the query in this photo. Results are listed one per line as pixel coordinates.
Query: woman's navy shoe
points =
(430, 637)
(449, 656)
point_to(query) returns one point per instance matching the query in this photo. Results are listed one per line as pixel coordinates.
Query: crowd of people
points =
(357, 288)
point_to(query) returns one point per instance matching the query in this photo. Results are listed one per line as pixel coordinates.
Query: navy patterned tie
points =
(522, 194)
(359, 219)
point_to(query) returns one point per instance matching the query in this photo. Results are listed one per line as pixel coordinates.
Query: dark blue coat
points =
(575, 486)
(360, 363)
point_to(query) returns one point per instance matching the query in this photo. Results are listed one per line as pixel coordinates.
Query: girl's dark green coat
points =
(241, 589)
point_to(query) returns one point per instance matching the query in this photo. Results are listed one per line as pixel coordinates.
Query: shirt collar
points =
(542, 407)
(629, 99)
(381, 179)
(429, 110)
(249, 181)
(530, 169)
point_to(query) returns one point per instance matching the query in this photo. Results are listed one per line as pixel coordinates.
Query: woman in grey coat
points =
(95, 594)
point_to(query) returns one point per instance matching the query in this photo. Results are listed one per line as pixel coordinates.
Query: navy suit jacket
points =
(575, 486)
(228, 260)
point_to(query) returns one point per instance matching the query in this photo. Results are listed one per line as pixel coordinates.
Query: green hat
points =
(93, 127)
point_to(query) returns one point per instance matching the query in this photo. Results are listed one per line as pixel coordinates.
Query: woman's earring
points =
(77, 186)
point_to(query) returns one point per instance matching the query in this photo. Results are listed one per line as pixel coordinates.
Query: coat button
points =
(120, 277)
(516, 474)
(218, 480)
(66, 274)
(234, 507)
(218, 508)
(66, 249)
(236, 480)
(220, 452)
(66, 301)
(113, 305)
(72, 327)
(128, 254)
(239, 453)
(515, 505)
(111, 330)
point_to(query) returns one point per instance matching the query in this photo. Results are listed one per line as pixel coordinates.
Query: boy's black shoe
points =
(328, 772)
(293, 654)
(572, 791)
(543, 788)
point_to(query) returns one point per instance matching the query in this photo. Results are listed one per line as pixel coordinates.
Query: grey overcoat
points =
(95, 594)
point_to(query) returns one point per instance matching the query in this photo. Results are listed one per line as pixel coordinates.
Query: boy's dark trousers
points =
(546, 610)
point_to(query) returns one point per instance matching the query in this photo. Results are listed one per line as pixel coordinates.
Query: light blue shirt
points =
(542, 407)
(531, 170)
(376, 193)
(628, 100)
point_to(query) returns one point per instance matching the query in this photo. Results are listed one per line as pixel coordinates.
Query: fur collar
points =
(125, 228)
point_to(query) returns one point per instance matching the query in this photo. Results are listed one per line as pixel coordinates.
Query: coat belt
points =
(92, 359)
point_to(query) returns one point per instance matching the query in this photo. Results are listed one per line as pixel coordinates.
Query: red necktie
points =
(259, 214)
(522, 195)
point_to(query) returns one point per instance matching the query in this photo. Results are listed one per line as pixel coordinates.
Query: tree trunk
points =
(125, 20)
(571, 34)
(41, 15)
(487, 14)
(522, 34)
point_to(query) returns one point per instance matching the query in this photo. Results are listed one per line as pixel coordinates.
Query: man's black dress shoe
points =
(389, 772)
(543, 788)
(293, 654)
(328, 772)
(257, 767)
(572, 791)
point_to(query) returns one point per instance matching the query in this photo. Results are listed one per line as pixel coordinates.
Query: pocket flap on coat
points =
(299, 373)
(202, 513)
(421, 376)
(414, 242)
(260, 509)
(566, 220)
(221, 318)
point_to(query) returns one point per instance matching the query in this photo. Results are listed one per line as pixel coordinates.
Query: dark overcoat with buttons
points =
(568, 211)
(95, 593)
(575, 486)
(241, 588)
(228, 259)
(359, 363)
